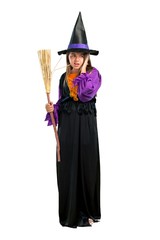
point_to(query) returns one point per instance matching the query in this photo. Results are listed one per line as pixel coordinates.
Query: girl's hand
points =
(49, 107)
(84, 66)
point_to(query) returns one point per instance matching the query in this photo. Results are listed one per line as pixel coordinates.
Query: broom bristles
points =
(45, 62)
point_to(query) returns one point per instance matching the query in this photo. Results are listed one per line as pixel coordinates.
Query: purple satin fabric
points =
(88, 84)
(48, 118)
(78, 45)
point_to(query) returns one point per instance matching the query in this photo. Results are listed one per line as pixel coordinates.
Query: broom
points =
(45, 62)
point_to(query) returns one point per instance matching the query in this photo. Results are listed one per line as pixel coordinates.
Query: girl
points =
(78, 172)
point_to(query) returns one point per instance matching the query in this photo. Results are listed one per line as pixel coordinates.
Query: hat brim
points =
(89, 51)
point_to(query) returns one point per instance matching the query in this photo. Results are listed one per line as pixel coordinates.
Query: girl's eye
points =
(72, 55)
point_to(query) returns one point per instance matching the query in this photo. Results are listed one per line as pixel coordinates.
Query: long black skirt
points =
(78, 172)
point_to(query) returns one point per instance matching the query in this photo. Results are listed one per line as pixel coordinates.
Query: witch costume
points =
(78, 172)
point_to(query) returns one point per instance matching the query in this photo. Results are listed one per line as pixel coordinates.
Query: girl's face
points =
(76, 60)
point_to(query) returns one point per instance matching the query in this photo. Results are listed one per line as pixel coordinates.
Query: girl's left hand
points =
(84, 66)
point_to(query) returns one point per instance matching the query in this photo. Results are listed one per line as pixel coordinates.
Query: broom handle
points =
(55, 130)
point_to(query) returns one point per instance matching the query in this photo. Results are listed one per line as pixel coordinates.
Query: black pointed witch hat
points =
(78, 42)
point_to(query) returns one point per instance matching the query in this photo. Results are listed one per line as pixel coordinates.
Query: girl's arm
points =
(88, 84)
(55, 112)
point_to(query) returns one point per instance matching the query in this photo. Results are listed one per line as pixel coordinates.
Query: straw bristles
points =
(45, 62)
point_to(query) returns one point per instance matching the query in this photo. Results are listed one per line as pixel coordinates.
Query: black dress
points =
(78, 172)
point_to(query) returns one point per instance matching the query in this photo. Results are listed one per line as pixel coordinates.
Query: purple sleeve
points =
(88, 84)
(56, 109)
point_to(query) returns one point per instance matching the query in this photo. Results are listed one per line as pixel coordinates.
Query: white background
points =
(127, 34)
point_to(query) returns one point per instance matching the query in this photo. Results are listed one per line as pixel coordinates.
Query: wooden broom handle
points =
(55, 130)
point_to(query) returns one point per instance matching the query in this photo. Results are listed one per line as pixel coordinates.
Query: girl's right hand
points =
(49, 107)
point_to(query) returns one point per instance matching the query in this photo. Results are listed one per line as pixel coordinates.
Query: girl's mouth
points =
(76, 64)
